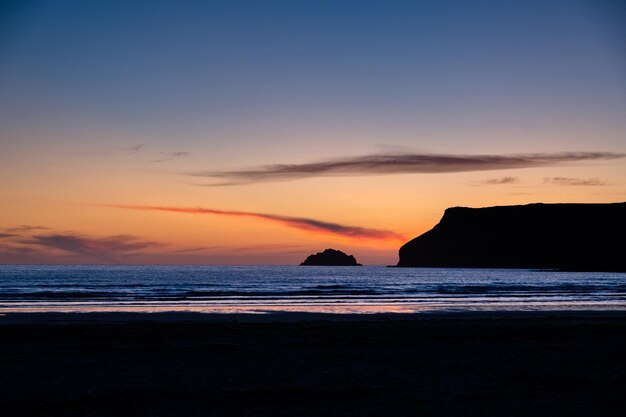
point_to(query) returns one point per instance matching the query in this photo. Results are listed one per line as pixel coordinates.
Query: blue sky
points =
(418, 68)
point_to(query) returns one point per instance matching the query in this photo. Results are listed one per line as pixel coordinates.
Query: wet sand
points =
(503, 364)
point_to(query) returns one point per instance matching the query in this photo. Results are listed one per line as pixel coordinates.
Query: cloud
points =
(270, 247)
(400, 163)
(499, 181)
(19, 231)
(589, 182)
(197, 249)
(254, 248)
(128, 149)
(24, 228)
(300, 223)
(105, 248)
(168, 156)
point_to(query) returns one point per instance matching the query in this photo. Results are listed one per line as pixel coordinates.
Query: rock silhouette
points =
(330, 257)
(576, 237)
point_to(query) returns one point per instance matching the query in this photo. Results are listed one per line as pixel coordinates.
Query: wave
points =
(174, 294)
(287, 293)
(550, 289)
(169, 295)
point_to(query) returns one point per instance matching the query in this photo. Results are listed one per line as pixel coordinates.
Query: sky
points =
(258, 132)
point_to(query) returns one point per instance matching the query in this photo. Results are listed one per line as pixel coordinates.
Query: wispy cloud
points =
(168, 156)
(12, 252)
(563, 181)
(24, 228)
(20, 231)
(269, 247)
(255, 248)
(196, 249)
(128, 149)
(498, 181)
(300, 223)
(400, 163)
(105, 248)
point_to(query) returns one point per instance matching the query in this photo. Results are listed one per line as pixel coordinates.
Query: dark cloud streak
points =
(301, 223)
(380, 164)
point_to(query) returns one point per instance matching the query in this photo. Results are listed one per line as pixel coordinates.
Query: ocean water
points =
(263, 289)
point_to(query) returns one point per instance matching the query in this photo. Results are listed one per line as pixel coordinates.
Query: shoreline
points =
(285, 316)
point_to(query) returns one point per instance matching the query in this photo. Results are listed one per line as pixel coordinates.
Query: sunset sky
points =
(258, 132)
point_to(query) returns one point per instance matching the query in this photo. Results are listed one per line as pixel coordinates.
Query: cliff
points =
(330, 257)
(583, 237)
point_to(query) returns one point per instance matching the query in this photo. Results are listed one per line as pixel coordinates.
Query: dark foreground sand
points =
(531, 364)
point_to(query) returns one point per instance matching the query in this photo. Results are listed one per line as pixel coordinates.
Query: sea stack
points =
(575, 237)
(330, 257)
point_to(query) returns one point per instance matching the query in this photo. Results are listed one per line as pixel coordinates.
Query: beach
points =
(288, 364)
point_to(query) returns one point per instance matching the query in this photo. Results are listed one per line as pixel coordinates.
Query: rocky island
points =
(576, 237)
(330, 257)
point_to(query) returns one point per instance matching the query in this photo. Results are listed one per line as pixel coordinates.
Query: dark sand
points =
(487, 364)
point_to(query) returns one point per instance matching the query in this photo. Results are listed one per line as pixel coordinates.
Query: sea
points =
(270, 289)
